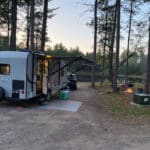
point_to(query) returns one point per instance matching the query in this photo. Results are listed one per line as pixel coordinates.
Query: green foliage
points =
(137, 64)
(61, 50)
(4, 11)
(58, 50)
(38, 28)
(39, 17)
(3, 43)
(5, 17)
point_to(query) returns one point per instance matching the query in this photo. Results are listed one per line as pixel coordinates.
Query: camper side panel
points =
(14, 82)
(18, 73)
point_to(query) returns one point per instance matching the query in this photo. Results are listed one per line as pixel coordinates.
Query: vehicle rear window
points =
(4, 69)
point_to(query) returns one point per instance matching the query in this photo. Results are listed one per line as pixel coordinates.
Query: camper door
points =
(45, 76)
(42, 73)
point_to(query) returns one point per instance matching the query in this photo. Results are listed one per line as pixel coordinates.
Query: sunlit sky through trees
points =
(70, 28)
(69, 25)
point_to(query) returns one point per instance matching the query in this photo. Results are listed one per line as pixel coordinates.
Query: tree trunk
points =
(115, 89)
(105, 40)
(36, 43)
(13, 25)
(45, 11)
(95, 43)
(8, 26)
(8, 33)
(111, 50)
(32, 17)
(28, 25)
(128, 44)
(147, 83)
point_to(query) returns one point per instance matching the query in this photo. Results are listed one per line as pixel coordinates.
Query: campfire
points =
(129, 90)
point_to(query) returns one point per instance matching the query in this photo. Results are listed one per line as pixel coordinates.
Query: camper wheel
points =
(2, 92)
(49, 96)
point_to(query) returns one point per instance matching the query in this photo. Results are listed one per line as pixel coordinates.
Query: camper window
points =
(4, 69)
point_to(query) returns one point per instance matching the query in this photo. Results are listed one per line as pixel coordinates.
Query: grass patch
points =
(138, 85)
(120, 105)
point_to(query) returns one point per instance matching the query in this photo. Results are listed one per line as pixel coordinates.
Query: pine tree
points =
(95, 42)
(32, 23)
(115, 89)
(13, 25)
(43, 34)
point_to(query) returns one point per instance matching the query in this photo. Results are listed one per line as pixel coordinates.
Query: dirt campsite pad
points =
(94, 126)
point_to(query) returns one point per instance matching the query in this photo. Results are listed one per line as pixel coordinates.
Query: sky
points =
(69, 25)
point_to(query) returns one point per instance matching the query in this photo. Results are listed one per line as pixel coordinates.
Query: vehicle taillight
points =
(22, 91)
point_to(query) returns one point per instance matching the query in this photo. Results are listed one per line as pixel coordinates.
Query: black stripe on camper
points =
(16, 86)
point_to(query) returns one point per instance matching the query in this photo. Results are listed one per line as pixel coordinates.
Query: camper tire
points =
(2, 92)
(48, 96)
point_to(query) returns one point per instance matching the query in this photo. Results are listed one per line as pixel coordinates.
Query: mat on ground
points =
(68, 105)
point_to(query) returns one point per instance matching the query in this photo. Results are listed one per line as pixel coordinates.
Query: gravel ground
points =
(91, 128)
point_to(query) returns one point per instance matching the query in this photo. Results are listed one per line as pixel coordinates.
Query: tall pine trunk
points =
(43, 38)
(13, 25)
(147, 83)
(111, 50)
(128, 44)
(8, 25)
(115, 89)
(105, 42)
(28, 25)
(8, 33)
(32, 18)
(95, 43)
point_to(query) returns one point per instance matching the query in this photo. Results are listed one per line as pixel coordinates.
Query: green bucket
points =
(64, 95)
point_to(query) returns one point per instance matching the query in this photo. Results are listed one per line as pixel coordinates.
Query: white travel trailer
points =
(25, 75)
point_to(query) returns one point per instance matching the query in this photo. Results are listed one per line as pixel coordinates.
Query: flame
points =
(129, 90)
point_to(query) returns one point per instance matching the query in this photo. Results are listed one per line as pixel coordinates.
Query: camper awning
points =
(72, 60)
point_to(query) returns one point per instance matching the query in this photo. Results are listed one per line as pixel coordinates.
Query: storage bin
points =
(64, 95)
